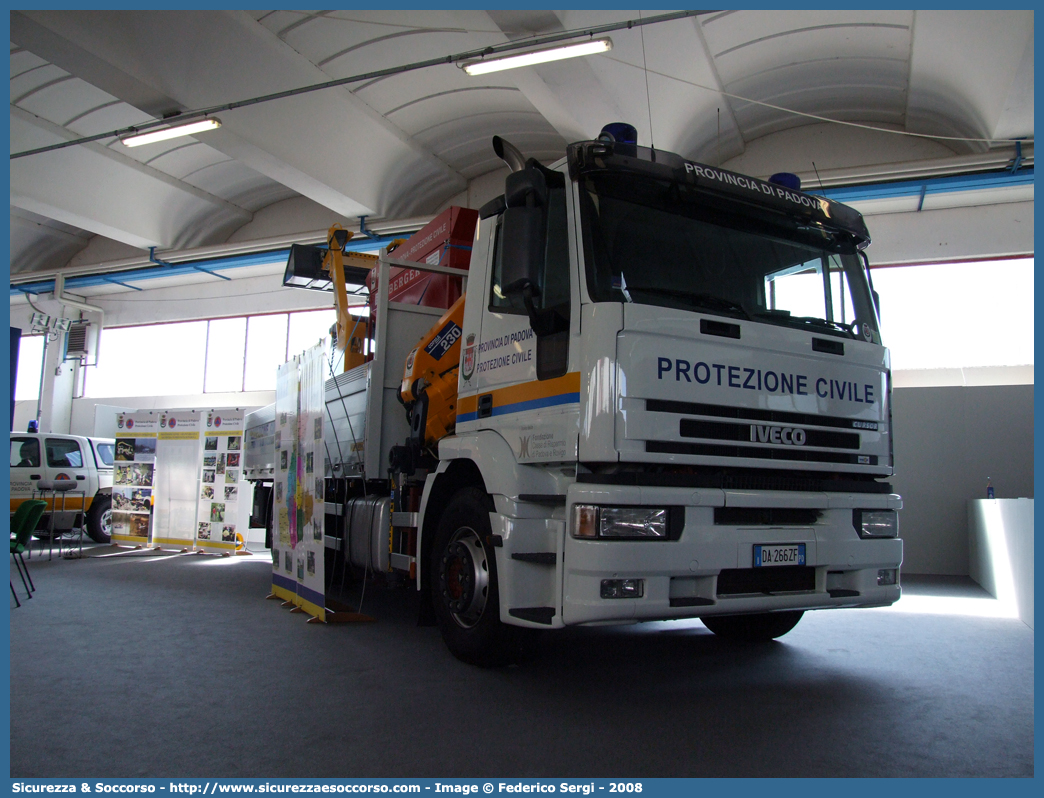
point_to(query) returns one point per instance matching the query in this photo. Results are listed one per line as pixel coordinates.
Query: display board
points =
(222, 463)
(133, 476)
(311, 516)
(284, 487)
(175, 496)
(298, 489)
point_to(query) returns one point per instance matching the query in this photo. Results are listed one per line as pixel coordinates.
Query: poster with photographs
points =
(133, 476)
(177, 475)
(299, 509)
(308, 554)
(284, 493)
(221, 432)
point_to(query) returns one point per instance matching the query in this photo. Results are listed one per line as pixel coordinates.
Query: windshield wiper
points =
(811, 321)
(702, 300)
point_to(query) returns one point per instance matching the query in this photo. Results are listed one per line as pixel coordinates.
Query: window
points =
(216, 356)
(555, 280)
(226, 353)
(957, 315)
(153, 360)
(25, 453)
(265, 351)
(63, 453)
(657, 242)
(103, 454)
(30, 362)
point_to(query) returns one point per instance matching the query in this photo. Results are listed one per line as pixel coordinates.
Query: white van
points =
(37, 456)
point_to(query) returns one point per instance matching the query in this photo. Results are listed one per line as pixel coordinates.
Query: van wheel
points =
(757, 628)
(99, 520)
(464, 584)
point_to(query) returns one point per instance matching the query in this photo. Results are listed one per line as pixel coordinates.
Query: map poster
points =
(133, 476)
(177, 474)
(222, 464)
(284, 496)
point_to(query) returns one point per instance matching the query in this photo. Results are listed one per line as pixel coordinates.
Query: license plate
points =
(779, 554)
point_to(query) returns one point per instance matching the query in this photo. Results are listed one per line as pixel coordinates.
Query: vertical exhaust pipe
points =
(509, 153)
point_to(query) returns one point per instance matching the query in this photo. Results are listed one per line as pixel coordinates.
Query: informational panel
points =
(284, 488)
(222, 464)
(176, 479)
(309, 551)
(133, 476)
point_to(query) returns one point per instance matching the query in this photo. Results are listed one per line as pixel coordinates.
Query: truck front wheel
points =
(757, 628)
(464, 583)
(99, 519)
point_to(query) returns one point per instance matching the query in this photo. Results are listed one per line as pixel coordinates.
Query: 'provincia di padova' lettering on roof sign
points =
(751, 184)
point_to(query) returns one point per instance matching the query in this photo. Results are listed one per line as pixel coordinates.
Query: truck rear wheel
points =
(464, 584)
(99, 519)
(757, 628)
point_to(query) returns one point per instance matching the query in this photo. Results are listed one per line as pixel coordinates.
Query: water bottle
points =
(989, 488)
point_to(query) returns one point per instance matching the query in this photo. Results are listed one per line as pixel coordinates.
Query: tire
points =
(464, 589)
(99, 519)
(758, 628)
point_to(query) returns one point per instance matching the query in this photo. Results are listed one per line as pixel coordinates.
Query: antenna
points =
(817, 176)
(717, 145)
(648, 99)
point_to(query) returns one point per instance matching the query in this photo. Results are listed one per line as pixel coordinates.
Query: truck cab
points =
(673, 401)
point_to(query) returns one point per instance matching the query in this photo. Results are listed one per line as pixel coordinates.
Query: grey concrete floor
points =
(176, 666)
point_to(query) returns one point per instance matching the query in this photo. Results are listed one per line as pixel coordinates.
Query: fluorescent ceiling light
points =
(538, 56)
(171, 132)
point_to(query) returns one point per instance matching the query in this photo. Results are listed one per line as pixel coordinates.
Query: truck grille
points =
(765, 516)
(755, 414)
(782, 579)
(765, 453)
(719, 430)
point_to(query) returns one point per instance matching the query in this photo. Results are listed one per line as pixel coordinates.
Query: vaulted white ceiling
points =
(712, 87)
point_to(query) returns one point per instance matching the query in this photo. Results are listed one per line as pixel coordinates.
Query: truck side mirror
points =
(523, 230)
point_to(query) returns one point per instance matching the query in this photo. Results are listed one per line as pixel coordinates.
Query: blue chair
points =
(23, 522)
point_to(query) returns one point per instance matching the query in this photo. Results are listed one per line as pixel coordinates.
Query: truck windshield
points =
(656, 242)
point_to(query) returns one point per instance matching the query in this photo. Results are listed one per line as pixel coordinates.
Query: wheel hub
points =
(464, 577)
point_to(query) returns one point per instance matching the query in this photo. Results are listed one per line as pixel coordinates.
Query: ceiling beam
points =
(329, 146)
(102, 191)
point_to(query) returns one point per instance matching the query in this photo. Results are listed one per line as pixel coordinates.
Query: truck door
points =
(523, 393)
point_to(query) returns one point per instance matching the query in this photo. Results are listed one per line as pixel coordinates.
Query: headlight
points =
(876, 523)
(635, 523)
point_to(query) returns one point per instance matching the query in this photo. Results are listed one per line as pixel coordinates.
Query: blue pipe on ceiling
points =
(194, 267)
(980, 181)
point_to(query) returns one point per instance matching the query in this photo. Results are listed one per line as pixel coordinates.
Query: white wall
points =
(948, 441)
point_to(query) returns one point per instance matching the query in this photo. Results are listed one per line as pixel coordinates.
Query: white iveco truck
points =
(671, 400)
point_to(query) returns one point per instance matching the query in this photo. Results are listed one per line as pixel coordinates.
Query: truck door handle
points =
(485, 405)
(80, 476)
(35, 476)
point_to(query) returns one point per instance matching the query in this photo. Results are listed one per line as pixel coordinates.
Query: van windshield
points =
(653, 241)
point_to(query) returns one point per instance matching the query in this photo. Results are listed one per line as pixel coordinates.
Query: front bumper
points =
(684, 578)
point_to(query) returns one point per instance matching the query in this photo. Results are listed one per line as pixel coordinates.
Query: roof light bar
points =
(171, 132)
(556, 53)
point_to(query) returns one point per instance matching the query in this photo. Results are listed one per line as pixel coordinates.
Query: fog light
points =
(887, 576)
(623, 588)
(876, 523)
